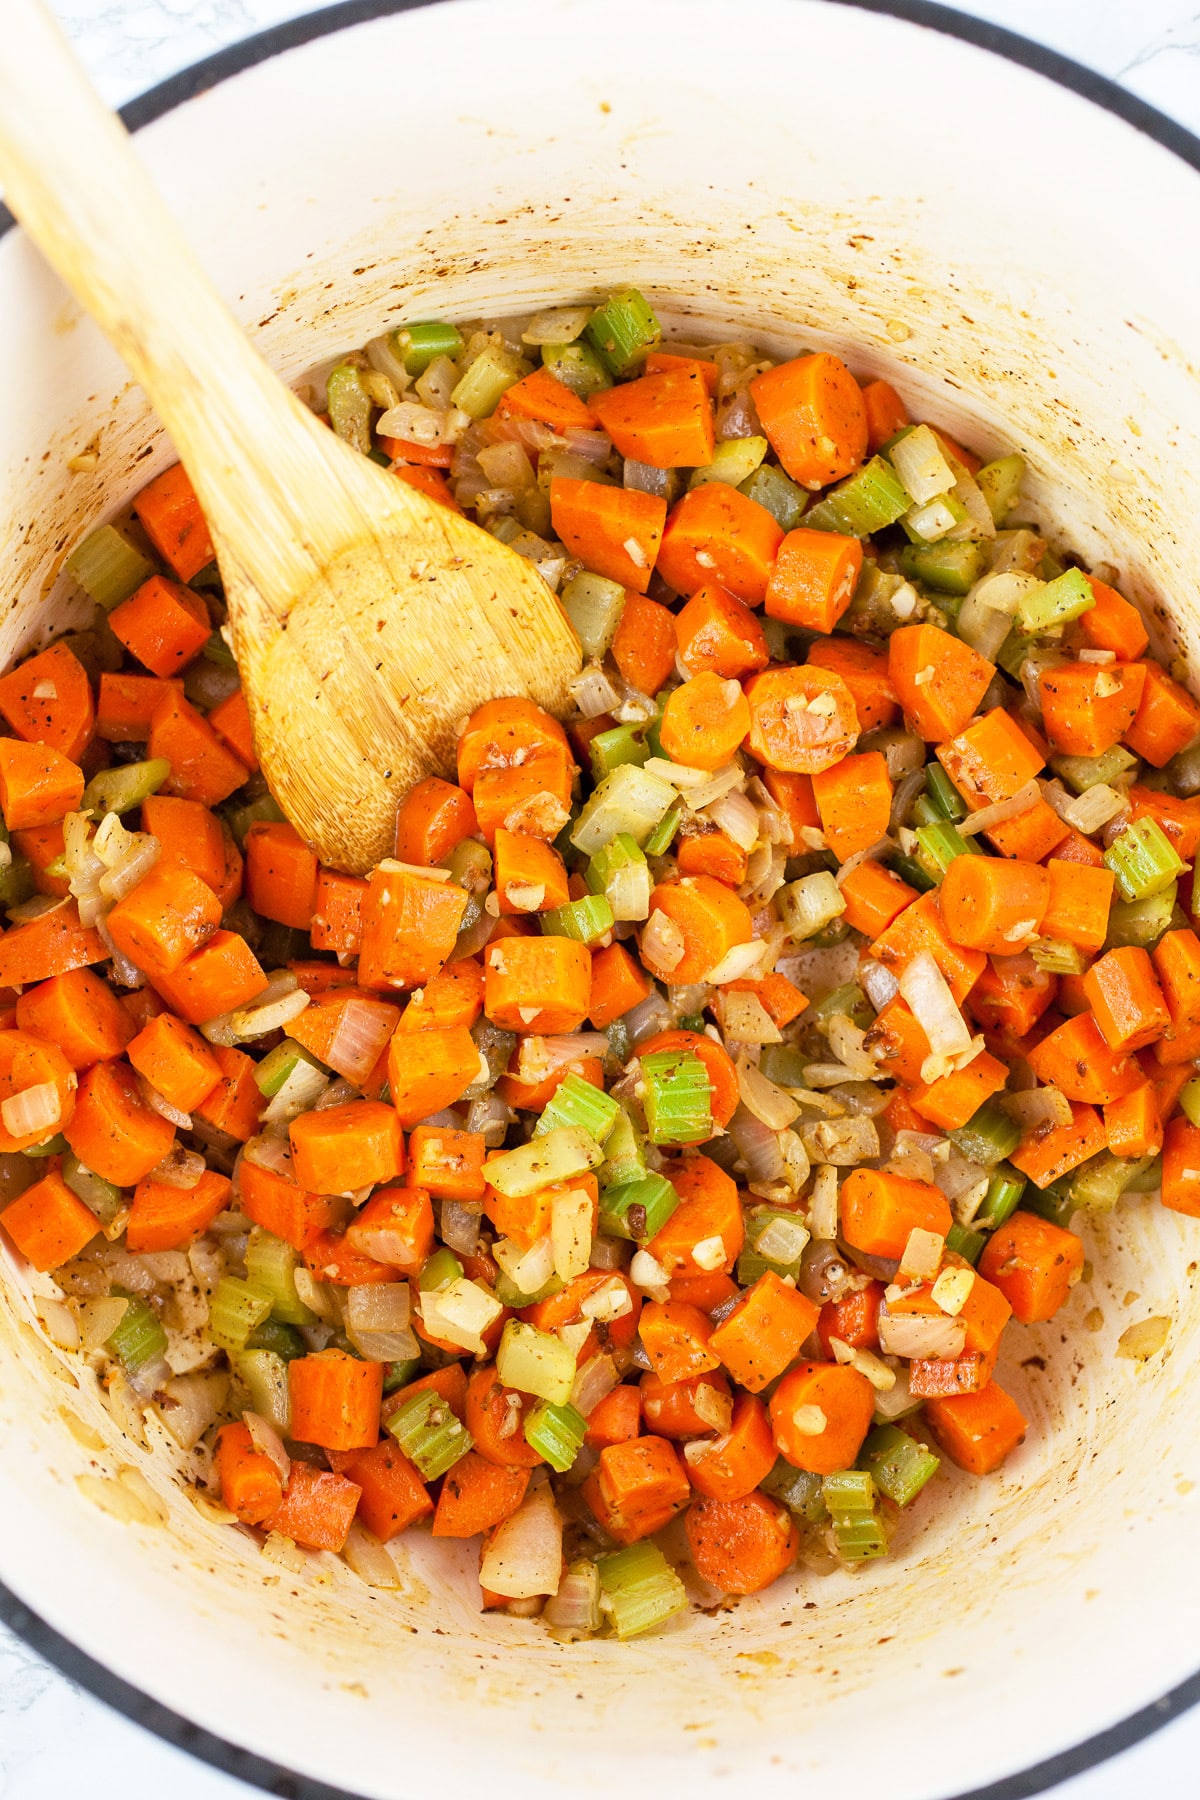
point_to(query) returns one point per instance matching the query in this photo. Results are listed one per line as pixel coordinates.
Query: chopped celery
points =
(577, 1102)
(912, 871)
(119, 790)
(966, 1243)
(778, 493)
(641, 1589)
(624, 1155)
(899, 1466)
(1055, 1203)
(237, 1307)
(775, 1241)
(865, 502)
(693, 1021)
(429, 1433)
(397, 1375)
(1140, 923)
(678, 1097)
(1000, 484)
(265, 1377)
(623, 330)
(930, 523)
(108, 567)
(104, 1199)
(283, 1341)
(508, 1293)
(1148, 1176)
(1189, 1100)
(807, 906)
(1144, 860)
(535, 1362)
(265, 810)
(52, 1146)
(492, 373)
(560, 1155)
(578, 367)
(1099, 1183)
(638, 1210)
(138, 1337)
(857, 1528)
(349, 406)
(663, 835)
(948, 568)
(1083, 772)
(783, 1064)
(1056, 602)
(619, 871)
(799, 1491)
(849, 999)
(630, 800)
(988, 1137)
(1004, 1191)
(594, 606)
(439, 1270)
(1058, 958)
(271, 1267)
(944, 795)
(217, 650)
(586, 920)
(734, 461)
(940, 843)
(924, 812)
(619, 745)
(556, 1432)
(418, 345)
(276, 1066)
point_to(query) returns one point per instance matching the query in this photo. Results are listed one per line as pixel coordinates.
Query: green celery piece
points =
(678, 1097)
(623, 330)
(630, 800)
(933, 522)
(265, 810)
(556, 1432)
(734, 461)
(1144, 860)
(944, 795)
(479, 390)
(663, 835)
(578, 367)
(799, 1491)
(577, 1102)
(1055, 1202)
(948, 568)
(1098, 1184)
(275, 1067)
(619, 1046)
(349, 406)
(139, 1336)
(509, 1294)
(586, 921)
(966, 1243)
(1148, 1176)
(271, 1266)
(420, 344)
(1083, 772)
(754, 1261)
(624, 1153)
(397, 1375)
(693, 1022)
(865, 502)
(237, 1308)
(439, 1270)
(1058, 958)
(784, 1065)
(470, 866)
(594, 606)
(103, 1197)
(264, 1375)
(848, 999)
(1000, 484)
(217, 650)
(108, 567)
(16, 882)
(940, 843)
(619, 744)
(429, 1434)
(857, 1528)
(1057, 602)
(280, 1340)
(641, 1589)
(1005, 1188)
(619, 871)
(1189, 1100)
(910, 870)
(53, 1146)
(899, 1466)
(119, 790)
(638, 1210)
(924, 812)
(1140, 923)
(988, 1137)
(778, 493)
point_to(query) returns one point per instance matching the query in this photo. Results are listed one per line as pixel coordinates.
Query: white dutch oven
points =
(1025, 266)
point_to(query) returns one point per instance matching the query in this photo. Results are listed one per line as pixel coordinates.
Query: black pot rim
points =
(52, 1645)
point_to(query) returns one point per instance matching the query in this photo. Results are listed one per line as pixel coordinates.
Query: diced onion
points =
(745, 1020)
(460, 1312)
(877, 983)
(1036, 1107)
(987, 816)
(922, 1256)
(761, 1097)
(269, 1151)
(266, 1439)
(180, 1168)
(378, 1321)
(459, 1227)
(362, 1034)
(663, 944)
(758, 1146)
(132, 868)
(557, 325)
(523, 1558)
(593, 691)
(925, 988)
(847, 1042)
(33, 1112)
(370, 1560)
(737, 963)
(921, 1335)
(595, 1380)
(737, 817)
(163, 1107)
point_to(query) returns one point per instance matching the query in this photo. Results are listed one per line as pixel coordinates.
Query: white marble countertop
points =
(55, 1739)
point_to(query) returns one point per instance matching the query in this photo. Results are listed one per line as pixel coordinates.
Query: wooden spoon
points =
(367, 620)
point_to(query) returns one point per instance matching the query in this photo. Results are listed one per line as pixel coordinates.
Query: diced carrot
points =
(820, 1414)
(494, 1416)
(615, 532)
(393, 1495)
(717, 534)
(537, 984)
(781, 999)
(80, 1013)
(433, 819)
(709, 1292)
(409, 924)
(1080, 899)
(317, 1509)
(331, 1257)
(38, 785)
(709, 1209)
(1077, 849)
(337, 914)
(527, 1218)
(430, 482)
(921, 926)
(618, 983)
(1012, 993)
(618, 1417)
(937, 1378)
(1167, 1079)
(793, 795)
(711, 919)
(644, 646)
(994, 905)
(234, 1105)
(853, 1320)
(541, 395)
(1075, 1059)
(1168, 718)
(126, 705)
(939, 680)
(854, 799)
(1178, 819)
(813, 579)
(529, 875)
(189, 836)
(231, 721)
(991, 760)
(879, 1210)
(250, 1482)
(899, 1041)
(1180, 1168)
(886, 413)
(171, 518)
(533, 797)
(1176, 959)
(42, 845)
(977, 1431)
(1087, 707)
(163, 920)
(421, 456)
(682, 1409)
(899, 1113)
(335, 1400)
(874, 898)
(1133, 1125)
(453, 997)
(985, 1312)
(319, 977)
(802, 720)
(428, 1070)
(1112, 623)
(48, 700)
(113, 1131)
(502, 733)
(163, 1217)
(704, 721)
(1126, 999)
(732, 1465)
(27, 1061)
(346, 1029)
(201, 767)
(815, 418)
(664, 420)
(281, 874)
(477, 1495)
(448, 1164)
(342, 1148)
(741, 1546)
(165, 626)
(865, 673)
(636, 1487)
(675, 1338)
(764, 1332)
(1046, 1154)
(219, 977)
(717, 631)
(1034, 1263)
(718, 1066)
(282, 1207)
(953, 1099)
(658, 362)
(49, 1224)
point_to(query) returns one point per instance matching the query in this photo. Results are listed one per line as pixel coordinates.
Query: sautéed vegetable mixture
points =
(642, 1168)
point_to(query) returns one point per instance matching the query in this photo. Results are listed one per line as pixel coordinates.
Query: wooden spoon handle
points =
(71, 176)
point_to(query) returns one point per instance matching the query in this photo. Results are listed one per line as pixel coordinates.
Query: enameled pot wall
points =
(1024, 266)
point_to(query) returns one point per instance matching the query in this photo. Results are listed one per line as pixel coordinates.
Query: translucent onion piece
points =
(180, 1168)
(847, 1043)
(133, 867)
(925, 989)
(916, 1335)
(575, 1610)
(362, 1034)
(593, 691)
(596, 1379)
(762, 1098)
(269, 1151)
(266, 1439)
(877, 983)
(33, 1112)
(742, 960)
(662, 944)
(745, 1020)
(1036, 1107)
(987, 816)
(648, 1017)
(540, 1057)
(737, 817)
(378, 1318)
(524, 1557)
(370, 1560)
(415, 424)
(256, 1021)
(162, 1106)
(758, 1146)
(459, 1228)
(557, 325)
(592, 446)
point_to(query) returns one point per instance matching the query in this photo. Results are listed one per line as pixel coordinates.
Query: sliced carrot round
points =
(741, 1546)
(820, 1414)
(704, 721)
(802, 720)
